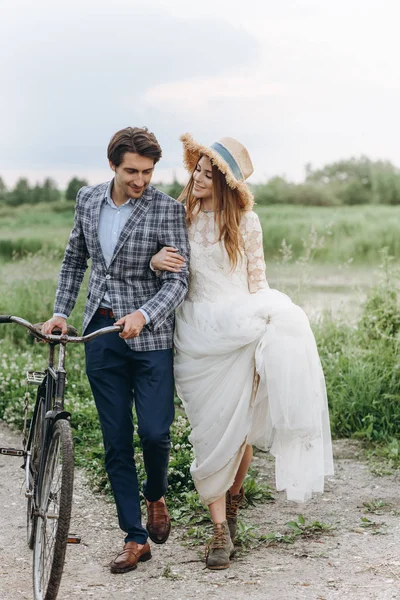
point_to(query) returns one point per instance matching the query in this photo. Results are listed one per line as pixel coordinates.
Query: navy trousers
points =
(120, 377)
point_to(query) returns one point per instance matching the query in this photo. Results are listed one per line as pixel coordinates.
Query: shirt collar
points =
(147, 195)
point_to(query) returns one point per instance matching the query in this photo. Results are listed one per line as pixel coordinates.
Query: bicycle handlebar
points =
(58, 339)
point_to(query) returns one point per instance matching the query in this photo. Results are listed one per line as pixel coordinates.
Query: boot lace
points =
(218, 540)
(233, 505)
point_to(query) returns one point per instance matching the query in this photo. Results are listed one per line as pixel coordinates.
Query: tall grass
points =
(25, 229)
(361, 361)
(362, 365)
(28, 290)
(350, 232)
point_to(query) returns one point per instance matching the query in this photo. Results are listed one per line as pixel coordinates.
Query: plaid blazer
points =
(156, 221)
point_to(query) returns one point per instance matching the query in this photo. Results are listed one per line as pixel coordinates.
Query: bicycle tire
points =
(54, 515)
(34, 435)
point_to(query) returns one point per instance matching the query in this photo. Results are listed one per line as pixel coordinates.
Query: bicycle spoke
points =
(50, 529)
(54, 513)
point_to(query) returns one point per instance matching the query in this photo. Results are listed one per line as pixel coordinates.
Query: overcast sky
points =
(295, 81)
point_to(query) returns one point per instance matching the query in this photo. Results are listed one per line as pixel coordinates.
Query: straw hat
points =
(228, 155)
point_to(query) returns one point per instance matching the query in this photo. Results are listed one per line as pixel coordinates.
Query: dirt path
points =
(354, 563)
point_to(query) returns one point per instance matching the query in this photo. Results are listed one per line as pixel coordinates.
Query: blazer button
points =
(108, 276)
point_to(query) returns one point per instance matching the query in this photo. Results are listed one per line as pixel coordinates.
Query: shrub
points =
(362, 366)
(73, 187)
(279, 191)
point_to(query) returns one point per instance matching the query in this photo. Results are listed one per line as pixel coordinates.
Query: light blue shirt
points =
(111, 222)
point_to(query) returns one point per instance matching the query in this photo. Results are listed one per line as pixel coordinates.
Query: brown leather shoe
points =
(158, 522)
(129, 557)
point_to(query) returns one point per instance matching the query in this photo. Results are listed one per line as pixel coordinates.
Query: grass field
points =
(26, 229)
(328, 261)
(355, 233)
(331, 278)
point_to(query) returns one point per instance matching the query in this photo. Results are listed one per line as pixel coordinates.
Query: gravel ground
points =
(355, 563)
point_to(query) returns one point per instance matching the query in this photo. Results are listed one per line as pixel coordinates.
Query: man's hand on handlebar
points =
(132, 325)
(55, 323)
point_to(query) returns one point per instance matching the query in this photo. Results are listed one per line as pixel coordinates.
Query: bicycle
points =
(49, 461)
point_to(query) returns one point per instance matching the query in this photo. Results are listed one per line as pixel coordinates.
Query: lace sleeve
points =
(254, 252)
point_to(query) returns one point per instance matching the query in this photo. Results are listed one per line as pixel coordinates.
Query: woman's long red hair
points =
(228, 208)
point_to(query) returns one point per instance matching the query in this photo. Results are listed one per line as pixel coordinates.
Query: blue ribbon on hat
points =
(229, 159)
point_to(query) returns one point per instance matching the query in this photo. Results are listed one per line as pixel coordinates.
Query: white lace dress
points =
(247, 370)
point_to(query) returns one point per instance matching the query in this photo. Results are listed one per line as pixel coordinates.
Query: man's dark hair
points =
(133, 139)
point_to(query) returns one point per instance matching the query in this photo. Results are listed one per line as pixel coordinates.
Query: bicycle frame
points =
(49, 460)
(53, 382)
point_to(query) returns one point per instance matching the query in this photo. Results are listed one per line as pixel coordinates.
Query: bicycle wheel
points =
(54, 514)
(34, 447)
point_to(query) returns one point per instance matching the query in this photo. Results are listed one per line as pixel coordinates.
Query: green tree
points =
(36, 194)
(386, 183)
(3, 191)
(275, 191)
(341, 171)
(174, 189)
(50, 192)
(278, 191)
(73, 187)
(359, 180)
(21, 194)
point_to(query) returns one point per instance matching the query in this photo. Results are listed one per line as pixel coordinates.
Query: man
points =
(120, 225)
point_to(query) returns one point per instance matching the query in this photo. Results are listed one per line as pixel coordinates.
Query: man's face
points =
(134, 174)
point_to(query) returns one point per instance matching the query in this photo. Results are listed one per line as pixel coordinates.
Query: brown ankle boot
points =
(220, 549)
(232, 507)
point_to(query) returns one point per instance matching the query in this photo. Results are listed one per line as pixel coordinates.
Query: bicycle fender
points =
(55, 415)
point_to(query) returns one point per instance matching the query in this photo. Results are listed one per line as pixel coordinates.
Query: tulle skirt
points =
(248, 372)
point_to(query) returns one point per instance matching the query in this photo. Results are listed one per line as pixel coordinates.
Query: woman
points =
(246, 366)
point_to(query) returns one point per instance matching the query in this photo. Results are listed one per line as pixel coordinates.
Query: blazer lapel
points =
(97, 201)
(140, 208)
